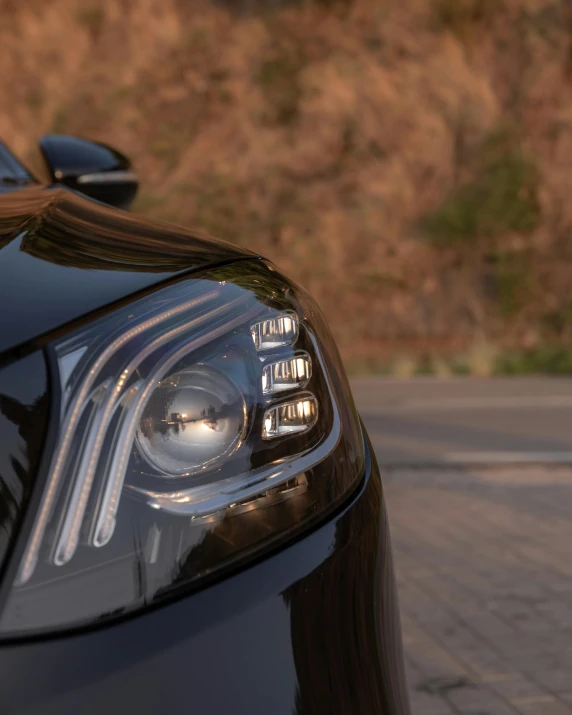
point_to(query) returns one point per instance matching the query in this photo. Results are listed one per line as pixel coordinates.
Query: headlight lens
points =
(200, 426)
(194, 418)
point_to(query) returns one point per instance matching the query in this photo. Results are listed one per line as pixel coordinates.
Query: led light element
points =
(286, 374)
(290, 417)
(275, 332)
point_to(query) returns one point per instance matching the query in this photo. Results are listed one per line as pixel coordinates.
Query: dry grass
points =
(334, 137)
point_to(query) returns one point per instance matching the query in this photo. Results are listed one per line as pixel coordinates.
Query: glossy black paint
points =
(91, 168)
(23, 424)
(63, 256)
(313, 630)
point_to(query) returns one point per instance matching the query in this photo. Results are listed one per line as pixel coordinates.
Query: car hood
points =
(63, 256)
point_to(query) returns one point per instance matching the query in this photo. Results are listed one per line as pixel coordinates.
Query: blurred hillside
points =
(407, 161)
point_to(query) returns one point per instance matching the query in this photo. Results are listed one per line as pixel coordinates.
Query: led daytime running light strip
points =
(71, 420)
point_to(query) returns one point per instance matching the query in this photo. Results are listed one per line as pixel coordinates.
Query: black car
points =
(192, 518)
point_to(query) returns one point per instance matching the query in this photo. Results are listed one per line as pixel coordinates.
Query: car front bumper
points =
(311, 629)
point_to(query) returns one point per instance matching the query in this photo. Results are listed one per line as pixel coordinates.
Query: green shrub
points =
(502, 197)
(279, 79)
(458, 16)
(514, 282)
(91, 15)
(552, 360)
(559, 322)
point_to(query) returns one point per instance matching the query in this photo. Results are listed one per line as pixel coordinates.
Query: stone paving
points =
(484, 567)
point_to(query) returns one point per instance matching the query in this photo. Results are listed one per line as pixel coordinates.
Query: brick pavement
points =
(484, 568)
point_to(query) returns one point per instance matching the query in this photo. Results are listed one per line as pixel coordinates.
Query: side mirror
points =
(93, 169)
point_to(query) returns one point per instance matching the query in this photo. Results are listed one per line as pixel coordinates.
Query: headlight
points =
(199, 426)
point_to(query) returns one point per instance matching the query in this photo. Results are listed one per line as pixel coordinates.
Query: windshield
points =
(11, 171)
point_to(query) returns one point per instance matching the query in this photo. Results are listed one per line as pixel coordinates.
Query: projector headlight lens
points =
(194, 418)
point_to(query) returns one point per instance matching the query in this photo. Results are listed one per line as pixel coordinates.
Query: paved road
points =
(478, 484)
(468, 421)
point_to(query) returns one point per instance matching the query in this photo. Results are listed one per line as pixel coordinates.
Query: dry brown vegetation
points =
(408, 161)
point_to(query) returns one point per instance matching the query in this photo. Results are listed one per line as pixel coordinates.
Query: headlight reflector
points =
(286, 374)
(291, 417)
(275, 332)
